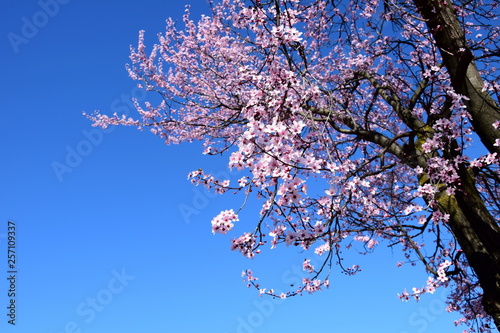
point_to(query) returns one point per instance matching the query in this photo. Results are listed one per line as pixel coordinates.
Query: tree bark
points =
(458, 59)
(479, 237)
(474, 227)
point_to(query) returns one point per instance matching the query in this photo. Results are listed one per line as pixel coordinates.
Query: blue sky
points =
(102, 243)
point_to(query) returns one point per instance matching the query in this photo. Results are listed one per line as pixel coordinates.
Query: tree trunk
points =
(458, 59)
(479, 237)
(474, 227)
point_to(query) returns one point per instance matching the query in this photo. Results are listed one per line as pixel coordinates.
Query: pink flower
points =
(322, 249)
(222, 223)
(246, 244)
(290, 238)
(306, 266)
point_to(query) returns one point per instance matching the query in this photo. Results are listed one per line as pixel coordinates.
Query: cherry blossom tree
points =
(356, 121)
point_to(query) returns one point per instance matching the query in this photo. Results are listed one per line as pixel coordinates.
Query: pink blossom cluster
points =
(223, 222)
(199, 177)
(308, 285)
(369, 241)
(248, 276)
(246, 244)
(105, 121)
(306, 266)
(314, 285)
(483, 161)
